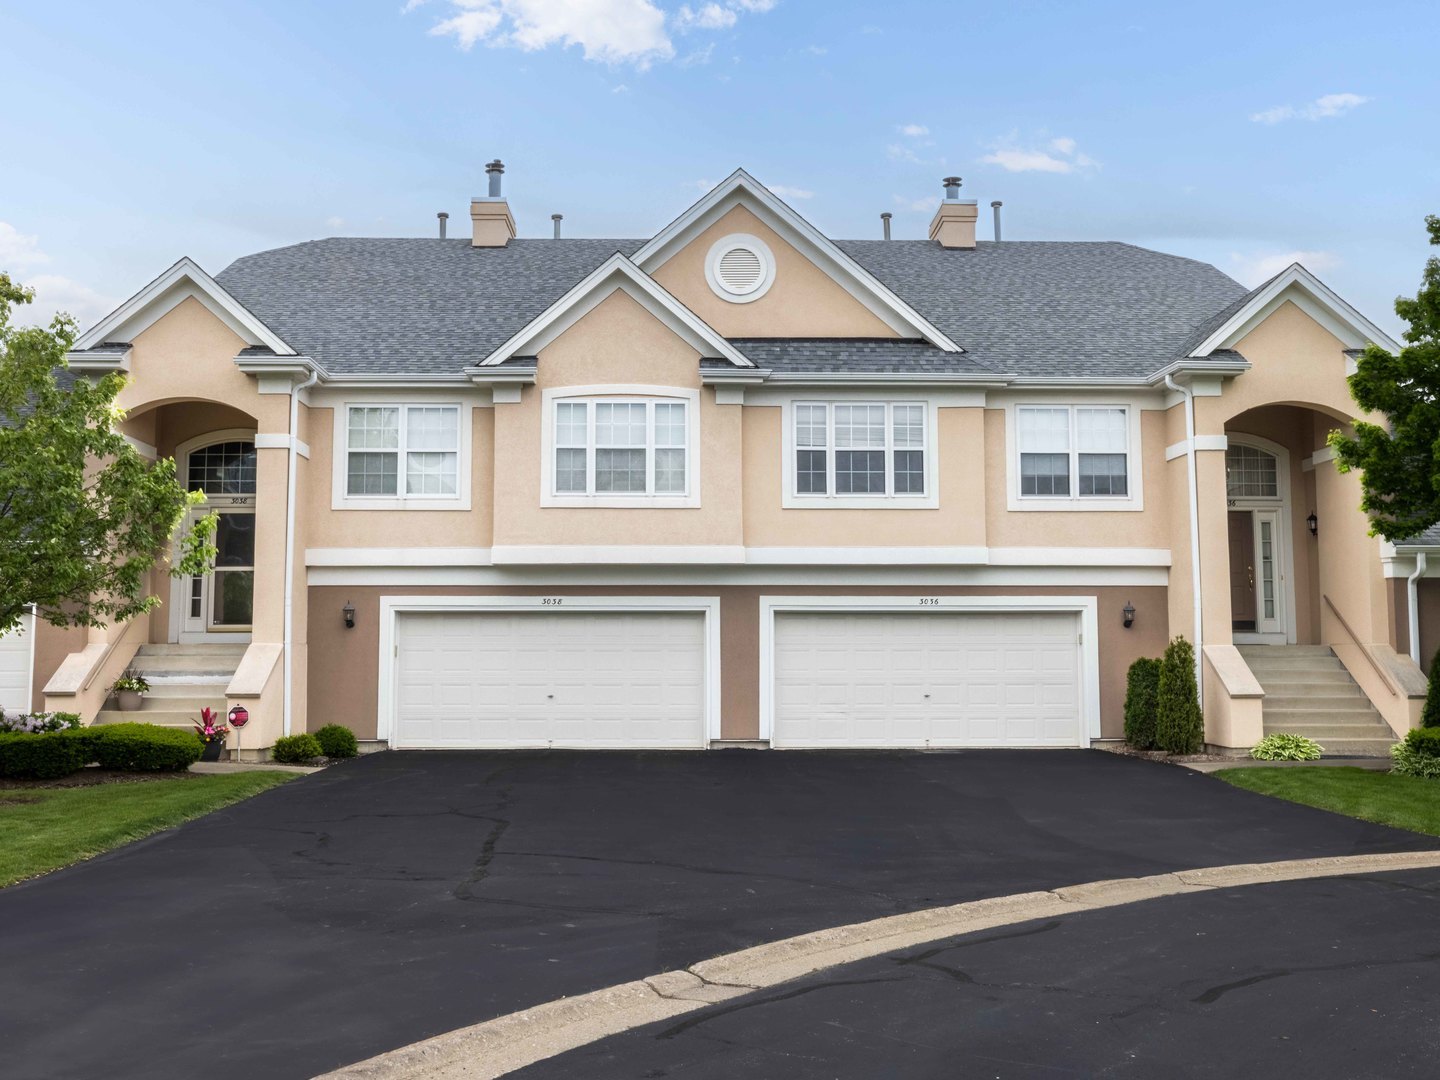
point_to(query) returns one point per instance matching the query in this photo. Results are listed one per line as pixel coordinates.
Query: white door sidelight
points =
(929, 672)
(576, 672)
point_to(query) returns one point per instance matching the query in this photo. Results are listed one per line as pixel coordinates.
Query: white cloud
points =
(1325, 106)
(1259, 267)
(923, 205)
(706, 17)
(816, 50)
(785, 191)
(697, 57)
(620, 89)
(334, 223)
(635, 32)
(53, 292)
(1059, 156)
(897, 152)
(17, 250)
(914, 131)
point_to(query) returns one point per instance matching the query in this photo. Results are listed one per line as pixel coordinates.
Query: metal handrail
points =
(1389, 685)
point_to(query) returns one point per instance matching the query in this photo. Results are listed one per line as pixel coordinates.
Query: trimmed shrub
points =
(1286, 746)
(337, 741)
(296, 749)
(145, 747)
(1430, 714)
(1424, 741)
(1179, 724)
(1418, 755)
(1142, 694)
(45, 755)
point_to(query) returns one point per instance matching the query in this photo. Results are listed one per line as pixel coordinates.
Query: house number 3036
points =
(929, 601)
(551, 601)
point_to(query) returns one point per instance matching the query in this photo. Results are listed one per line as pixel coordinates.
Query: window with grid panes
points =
(1075, 451)
(410, 451)
(616, 447)
(859, 448)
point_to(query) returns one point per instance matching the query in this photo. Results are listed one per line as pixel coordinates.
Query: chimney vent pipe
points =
(444, 217)
(494, 170)
(557, 218)
(885, 217)
(996, 207)
(952, 187)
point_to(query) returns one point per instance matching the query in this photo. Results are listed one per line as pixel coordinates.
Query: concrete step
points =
(1262, 651)
(170, 649)
(178, 718)
(1358, 747)
(1302, 722)
(1337, 706)
(1293, 665)
(184, 663)
(187, 686)
(1324, 733)
(1337, 686)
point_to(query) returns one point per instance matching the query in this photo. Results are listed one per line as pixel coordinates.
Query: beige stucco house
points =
(741, 483)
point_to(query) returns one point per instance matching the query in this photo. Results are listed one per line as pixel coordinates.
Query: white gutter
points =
(290, 501)
(1194, 527)
(1412, 596)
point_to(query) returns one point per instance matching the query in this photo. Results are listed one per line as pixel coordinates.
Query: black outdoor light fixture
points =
(1128, 611)
(349, 612)
(1314, 524)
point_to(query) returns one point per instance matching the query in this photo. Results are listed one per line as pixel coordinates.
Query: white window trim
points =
(1134, 454)
(1087, 607)
(724, 246)
(793, 500)
(620, 392)
(340, 456)
(393, 606)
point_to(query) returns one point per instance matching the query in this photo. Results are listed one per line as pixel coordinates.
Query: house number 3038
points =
(551, 601)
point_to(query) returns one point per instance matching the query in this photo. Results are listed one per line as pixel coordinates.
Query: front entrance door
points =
(218, 606)
(1257, 607)
(1242, 570)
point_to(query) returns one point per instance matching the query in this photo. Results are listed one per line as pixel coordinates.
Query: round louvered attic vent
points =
(740, 268)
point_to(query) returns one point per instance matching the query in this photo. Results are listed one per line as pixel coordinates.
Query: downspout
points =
(1412, 596)
(290, 501)
(1194, 527)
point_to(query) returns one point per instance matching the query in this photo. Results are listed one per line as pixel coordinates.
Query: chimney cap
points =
(495, 166)
(886, 214)
(997, 202)
(951, 181)
(442, 214)
(557, 217)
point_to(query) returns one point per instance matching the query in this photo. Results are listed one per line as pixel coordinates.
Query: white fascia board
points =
(1197, 367)
(862, 378)
(844, 270)
(397, 381)
(1234, 328)
(117, 325)
(490, 376)
(1092, 556)
(592, 288)
(101, 363)
(398, 557)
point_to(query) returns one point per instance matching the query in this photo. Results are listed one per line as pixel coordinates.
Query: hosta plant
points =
(1284, 746)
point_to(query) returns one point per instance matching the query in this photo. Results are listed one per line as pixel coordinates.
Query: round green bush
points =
(145, 747)
(337, 741)
(1286, 746)
(296, 749)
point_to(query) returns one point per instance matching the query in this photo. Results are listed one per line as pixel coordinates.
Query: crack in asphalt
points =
(1215, 993)
(716, 1012)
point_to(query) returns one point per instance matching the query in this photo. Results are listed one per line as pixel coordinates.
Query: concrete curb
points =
(496, 1047)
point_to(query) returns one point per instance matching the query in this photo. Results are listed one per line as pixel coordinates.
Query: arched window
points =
(226, 468)
(1250, 473)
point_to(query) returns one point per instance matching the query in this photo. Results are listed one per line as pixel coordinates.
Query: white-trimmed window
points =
(402, 451)
(864, 449)
(622, 449)
(1075, 452)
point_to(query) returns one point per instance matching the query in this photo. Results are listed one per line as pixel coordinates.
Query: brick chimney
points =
(490, 220)
(954, 223)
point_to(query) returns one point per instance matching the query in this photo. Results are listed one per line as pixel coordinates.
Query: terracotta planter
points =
(129, 700)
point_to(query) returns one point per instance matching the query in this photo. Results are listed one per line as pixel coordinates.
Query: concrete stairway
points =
(183, 680)
(1308, 692)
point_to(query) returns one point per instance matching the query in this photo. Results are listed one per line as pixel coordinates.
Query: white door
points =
(543, 679)
(927, 679)
(16, 657)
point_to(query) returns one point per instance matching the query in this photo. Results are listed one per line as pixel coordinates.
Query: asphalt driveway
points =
(406, 894)
(1331, 979)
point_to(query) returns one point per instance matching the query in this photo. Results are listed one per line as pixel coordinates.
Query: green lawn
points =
(43, 829)
(1406, 802)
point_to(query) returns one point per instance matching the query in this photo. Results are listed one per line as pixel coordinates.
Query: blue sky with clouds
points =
(1245, 134)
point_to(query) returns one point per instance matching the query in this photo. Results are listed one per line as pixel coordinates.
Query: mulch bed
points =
(92, 775)
(1164, 758)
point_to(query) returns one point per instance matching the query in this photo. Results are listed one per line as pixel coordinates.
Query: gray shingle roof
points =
(855, 355)
(1049, 309)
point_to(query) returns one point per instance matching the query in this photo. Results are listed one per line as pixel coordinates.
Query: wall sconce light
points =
(1314, 524)
(1128, 611)
(349, 612)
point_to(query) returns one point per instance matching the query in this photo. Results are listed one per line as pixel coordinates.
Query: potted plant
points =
(129, 689)
(212, 733)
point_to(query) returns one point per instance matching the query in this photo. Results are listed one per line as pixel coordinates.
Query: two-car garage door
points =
(926, 678)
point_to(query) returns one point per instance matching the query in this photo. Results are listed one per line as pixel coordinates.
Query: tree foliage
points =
(1401, 461)
(1179, 725)
(83, 516)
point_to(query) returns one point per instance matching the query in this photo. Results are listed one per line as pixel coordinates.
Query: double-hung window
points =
(845, 449)
(402, 451)
(1073, 452)
(621, 448)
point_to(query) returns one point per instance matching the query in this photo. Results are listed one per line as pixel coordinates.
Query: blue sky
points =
(1247, 134)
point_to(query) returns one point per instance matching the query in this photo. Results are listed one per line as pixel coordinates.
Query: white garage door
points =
(927, 679)
(15, 659)
(540, 679)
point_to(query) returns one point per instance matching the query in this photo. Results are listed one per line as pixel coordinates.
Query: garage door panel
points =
(943, 678)
(512, 679)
